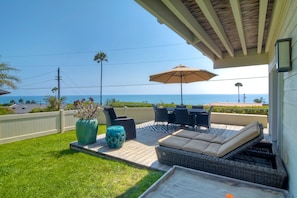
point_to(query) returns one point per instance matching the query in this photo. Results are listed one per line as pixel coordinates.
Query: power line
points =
(118, 64)
(24, 86)
(73, 82)
(239, 78)
(91, 51)
(37, 76)
(124, 85)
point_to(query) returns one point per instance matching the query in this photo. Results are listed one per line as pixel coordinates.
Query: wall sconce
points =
(283, 55)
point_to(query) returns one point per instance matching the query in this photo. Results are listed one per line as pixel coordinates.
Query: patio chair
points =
(203, 119)
(181, 106)
(127, 123)
(161, 115)
(197, 107)
(155, 106)
(183, 118)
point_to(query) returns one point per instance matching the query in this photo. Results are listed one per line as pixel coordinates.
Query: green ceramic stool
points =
(115, 136)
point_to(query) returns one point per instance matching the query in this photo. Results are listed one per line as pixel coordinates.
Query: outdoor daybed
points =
(213, 153)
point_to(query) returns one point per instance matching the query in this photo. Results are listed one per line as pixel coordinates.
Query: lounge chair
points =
(127, 123)
(212, 153)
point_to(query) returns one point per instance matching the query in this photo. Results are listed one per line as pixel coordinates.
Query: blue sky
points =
(37, 37)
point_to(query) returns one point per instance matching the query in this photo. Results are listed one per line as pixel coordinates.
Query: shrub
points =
(260, 110)
(5, 111)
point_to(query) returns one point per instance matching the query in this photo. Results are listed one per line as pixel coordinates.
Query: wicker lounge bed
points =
(214, 154)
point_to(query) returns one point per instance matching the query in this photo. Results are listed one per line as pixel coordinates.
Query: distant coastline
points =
(189, 99)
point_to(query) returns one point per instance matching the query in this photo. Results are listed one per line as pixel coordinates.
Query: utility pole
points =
(59, 88)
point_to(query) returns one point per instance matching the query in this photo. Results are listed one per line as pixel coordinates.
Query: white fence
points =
(17, 127)
(24, 126)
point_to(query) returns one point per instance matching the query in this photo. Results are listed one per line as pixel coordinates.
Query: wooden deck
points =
(141, 151)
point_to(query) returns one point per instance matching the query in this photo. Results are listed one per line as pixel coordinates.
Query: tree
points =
(21, 101)
(53, 103)
(258, 100)
(238, 84)
(99, 58)
(54, 90)
(5, 78)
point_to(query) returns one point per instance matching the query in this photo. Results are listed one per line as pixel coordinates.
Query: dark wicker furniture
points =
(226, 166)
(183, 118)
(203, 119)
(161, 114)
(128, 123)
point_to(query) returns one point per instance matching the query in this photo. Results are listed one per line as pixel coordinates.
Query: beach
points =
(229, 104)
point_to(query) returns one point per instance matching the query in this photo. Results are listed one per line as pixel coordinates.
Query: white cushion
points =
(173, 141)
(186, 133)
(197, 146)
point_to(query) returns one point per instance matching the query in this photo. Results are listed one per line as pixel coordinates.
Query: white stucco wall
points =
(284, 99)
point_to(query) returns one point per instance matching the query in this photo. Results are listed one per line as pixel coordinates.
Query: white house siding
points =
(287, 139)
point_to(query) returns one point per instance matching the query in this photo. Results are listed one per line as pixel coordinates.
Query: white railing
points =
(17, 127)
(24, 126)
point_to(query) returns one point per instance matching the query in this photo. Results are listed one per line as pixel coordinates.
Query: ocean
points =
(188, 99)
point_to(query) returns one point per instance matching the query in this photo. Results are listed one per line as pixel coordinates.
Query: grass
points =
(46, 167)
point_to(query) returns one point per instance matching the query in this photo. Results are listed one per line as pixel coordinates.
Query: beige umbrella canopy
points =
(182, 74)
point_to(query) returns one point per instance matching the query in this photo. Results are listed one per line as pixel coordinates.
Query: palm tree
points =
(53, 104)
(238, 84)
(54, 89)
(5, 78)
(100, 57)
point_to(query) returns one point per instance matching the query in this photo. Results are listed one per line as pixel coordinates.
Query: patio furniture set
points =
(211, 153)
(194, 117)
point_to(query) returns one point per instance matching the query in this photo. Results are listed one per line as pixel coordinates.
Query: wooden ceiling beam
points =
(240, 59)
(274, 29)
(182, 13)
(213, 19)
(235, 6)
(176, 16)
(261, 25)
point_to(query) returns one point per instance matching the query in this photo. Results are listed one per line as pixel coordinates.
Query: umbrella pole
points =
(181, 95)
(181, 89)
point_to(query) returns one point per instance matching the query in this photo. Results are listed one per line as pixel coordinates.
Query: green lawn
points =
(46, 167)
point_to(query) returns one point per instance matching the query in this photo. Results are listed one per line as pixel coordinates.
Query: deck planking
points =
(141, 150)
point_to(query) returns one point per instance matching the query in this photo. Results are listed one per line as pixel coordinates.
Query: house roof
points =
(2, 92)
(230, 32)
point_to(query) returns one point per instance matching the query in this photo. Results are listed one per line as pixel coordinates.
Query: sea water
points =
(189, 99)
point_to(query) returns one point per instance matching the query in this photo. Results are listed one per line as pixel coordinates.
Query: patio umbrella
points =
(182, 74)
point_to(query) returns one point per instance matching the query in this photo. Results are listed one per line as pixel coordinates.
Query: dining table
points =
(191, 111)
(194, 113)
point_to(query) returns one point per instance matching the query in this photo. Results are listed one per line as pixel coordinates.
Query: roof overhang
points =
(231, 33)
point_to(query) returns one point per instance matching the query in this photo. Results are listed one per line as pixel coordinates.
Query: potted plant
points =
(87, 124)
